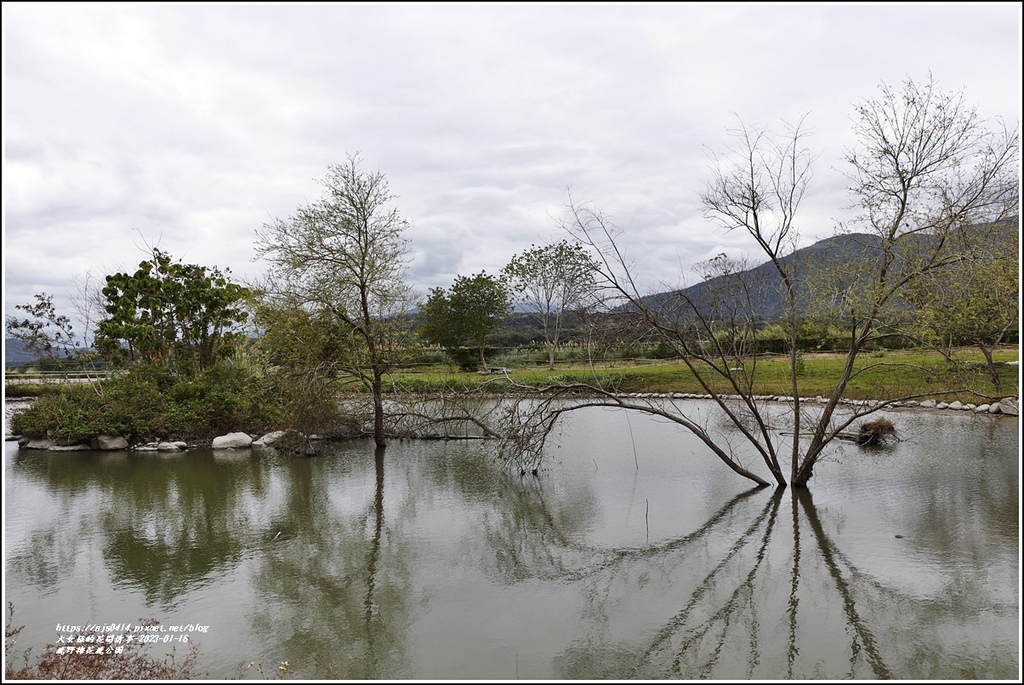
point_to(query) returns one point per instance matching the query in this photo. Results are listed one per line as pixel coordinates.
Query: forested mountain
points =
(836, 260)
(15, 353)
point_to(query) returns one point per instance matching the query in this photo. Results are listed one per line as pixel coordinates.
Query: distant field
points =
(878, 375)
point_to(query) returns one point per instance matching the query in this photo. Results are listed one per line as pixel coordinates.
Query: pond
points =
(633, 554)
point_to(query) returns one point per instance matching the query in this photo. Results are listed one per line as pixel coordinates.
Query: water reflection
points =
(330, 600)
(166, 523)
(428, 561)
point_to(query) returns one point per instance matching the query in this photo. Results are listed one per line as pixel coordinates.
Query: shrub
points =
(150, 403)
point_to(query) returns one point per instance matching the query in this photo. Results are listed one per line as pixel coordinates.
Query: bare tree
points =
(346, 255)
(924, 170)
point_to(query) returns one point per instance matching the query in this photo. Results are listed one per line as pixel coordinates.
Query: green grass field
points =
(878, 375)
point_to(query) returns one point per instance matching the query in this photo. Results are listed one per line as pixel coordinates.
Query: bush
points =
(28, 389)
(150, 403)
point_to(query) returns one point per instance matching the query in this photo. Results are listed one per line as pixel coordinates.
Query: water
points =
(634, 554)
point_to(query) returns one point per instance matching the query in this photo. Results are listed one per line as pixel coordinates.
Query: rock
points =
(928, 404)
(170, 446)
(39, 444)
(148, 447)
(1009, 406)
(268, 439)
(231, 441)
(942, 405)
(105, 443)
(69, 448)
(981, 409)
(955, 404)
(994, 408)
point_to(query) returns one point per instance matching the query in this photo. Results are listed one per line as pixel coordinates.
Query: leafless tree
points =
(925, 168)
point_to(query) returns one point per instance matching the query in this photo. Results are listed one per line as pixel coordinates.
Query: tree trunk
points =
(993, 372)
(378, 411)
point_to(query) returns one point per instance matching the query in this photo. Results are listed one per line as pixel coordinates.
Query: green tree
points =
(171, 314)
(44, 332)
(553, 281)
(306, 352)
(975, 301)
(345, 256)
(467, 314)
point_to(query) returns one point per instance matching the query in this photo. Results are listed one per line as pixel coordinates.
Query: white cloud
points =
(192, 125)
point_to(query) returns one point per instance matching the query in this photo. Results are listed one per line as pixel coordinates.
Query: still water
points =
(633, 554)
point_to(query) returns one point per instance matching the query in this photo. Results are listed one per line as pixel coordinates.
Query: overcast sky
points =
(188, 127)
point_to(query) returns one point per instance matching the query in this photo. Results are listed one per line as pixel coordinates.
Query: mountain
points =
(841, 258)
(15, 353)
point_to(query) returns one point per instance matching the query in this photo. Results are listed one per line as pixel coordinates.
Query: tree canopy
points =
(466, 315)
(344, 256)
(553, 281)
(168, 313)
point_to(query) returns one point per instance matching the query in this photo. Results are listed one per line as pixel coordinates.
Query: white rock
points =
(1009, 406)
(269, 439)
(232, 440)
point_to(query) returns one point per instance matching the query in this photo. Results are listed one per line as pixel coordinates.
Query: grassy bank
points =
(879, 375)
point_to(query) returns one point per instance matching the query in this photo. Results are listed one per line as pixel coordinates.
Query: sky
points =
(188, 127)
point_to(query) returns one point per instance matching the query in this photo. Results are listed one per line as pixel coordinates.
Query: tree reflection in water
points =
(335, 604)
(433, 562)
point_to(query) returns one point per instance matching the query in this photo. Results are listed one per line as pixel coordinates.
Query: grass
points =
(878, 375)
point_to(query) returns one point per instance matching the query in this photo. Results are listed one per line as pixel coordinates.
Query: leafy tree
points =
(45, 332)
(974, 302)
(924, 169)
(170, 313)
(306, 352)
(553, 280)
(344, 256)
(467, 314)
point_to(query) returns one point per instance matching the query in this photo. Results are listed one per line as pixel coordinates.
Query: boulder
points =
(170, 446)
(982, 409)
(1009, 406)
(928, 404)
(956, 404)
(39, 444)
(232, 441)
(994, 408)
(268, 439)
(69, 448)
(105, 443)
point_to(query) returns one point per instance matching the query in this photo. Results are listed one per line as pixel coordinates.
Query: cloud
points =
(190, 126)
